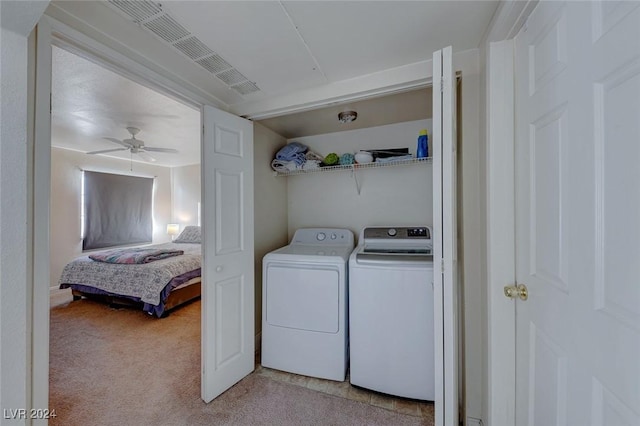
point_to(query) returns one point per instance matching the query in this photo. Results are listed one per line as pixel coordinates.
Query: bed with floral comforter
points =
(150, 283)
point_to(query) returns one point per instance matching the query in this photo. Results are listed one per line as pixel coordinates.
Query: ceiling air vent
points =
(231, 77)
(214, 64)
(150, 16)
(137, 10)
(166, 28)
(245, 88)
(193, 48)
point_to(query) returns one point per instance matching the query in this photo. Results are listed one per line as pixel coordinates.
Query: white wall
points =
(66, 173)
(185, 187)
(17, 19)
(270, 208)
(400, 196)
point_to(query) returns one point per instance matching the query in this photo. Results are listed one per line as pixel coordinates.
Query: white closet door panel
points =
(227, 273)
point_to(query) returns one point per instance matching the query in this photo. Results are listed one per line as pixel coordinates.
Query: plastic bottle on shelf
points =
(423, 144)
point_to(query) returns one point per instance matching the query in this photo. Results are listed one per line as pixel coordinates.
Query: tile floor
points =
(345, 390)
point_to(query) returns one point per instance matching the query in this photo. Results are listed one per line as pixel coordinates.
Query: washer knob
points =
(321, 236)
(392, 232)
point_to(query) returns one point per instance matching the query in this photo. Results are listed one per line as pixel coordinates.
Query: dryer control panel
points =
(323, 236)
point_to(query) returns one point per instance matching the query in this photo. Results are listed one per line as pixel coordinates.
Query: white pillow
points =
(190, 234)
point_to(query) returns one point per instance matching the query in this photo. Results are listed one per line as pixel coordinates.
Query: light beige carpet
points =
(120, 367)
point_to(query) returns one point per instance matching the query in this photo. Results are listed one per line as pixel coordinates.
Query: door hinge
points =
(442, 265)
(441, 84)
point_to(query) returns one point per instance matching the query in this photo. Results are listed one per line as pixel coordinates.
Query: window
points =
(117, 210)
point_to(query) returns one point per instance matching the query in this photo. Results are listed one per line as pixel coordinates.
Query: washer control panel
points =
(400, 233)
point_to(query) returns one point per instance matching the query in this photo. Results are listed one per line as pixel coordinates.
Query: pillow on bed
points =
(190, 234)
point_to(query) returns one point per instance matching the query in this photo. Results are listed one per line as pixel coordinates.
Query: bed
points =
(157, 286)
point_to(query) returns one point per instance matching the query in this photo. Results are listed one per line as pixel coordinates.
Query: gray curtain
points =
(117, 210)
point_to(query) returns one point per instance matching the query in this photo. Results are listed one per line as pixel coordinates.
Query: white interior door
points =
(227, 275)
(444, 236)
(578, 214)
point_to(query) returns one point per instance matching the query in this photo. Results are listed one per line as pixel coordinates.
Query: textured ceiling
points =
(90, 103)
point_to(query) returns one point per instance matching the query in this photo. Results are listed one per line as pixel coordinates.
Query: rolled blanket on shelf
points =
(293, 152)
(132, 256)
(285, 166)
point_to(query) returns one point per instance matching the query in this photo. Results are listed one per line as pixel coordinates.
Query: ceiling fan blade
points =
(119, 142)
(146, 156)
(169, 150)
(104, 151)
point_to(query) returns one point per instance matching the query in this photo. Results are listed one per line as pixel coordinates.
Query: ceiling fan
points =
(135, 146)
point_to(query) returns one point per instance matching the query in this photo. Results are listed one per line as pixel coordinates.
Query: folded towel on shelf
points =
(311, 165)
(285, 166)
(393, 159)
(293, 152)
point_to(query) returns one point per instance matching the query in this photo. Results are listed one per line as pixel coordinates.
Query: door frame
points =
(501, 356)
(498, 45)
(51, 32)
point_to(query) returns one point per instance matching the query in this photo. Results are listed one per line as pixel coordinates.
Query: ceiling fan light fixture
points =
(135, 146)
(347, 116)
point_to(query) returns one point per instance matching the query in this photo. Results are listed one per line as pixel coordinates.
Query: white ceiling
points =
(90, 103)
(287, 48)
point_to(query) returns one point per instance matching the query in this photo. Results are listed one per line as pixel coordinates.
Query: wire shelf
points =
(354, 167)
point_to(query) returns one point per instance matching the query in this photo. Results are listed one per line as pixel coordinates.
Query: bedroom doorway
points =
(227, 336)
(92, 105)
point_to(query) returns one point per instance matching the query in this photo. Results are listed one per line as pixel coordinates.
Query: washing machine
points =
(304, 304)
(391, 312)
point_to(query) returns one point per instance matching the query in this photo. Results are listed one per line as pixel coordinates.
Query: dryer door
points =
(304, 297)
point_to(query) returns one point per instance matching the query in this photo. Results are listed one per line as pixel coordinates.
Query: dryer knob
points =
(334, 236)
(392, 232)
(321, 236)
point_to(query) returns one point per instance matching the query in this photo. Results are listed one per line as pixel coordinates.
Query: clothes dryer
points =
(304, 304)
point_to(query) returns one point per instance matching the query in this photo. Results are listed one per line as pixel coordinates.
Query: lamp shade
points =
(173, 229)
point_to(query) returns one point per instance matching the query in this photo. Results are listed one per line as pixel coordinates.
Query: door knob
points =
(513, 291)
